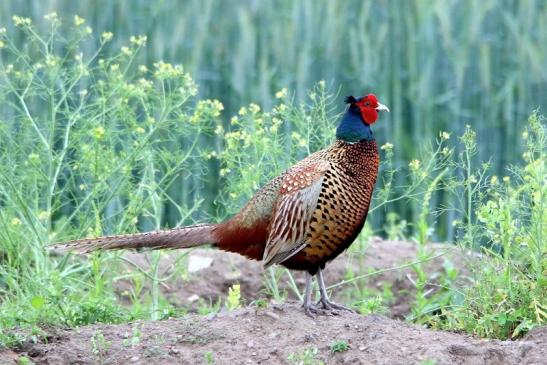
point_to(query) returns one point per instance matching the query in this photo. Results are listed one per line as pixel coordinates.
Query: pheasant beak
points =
(382, 107)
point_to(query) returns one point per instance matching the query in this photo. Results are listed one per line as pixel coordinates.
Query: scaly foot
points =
(328, 305)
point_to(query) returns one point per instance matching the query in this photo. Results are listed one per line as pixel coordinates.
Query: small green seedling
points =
(339, 346)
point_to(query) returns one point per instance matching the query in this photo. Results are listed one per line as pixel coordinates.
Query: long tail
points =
(183, 237)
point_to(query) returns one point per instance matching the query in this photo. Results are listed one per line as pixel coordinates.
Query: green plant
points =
(99, 347)
(306, 357)
(208, 307)
(233, 300)
(23, 360)
(90, 145)
(339, 346)
(135, 338)
(259, 303)
(209, 357)
(507, 221)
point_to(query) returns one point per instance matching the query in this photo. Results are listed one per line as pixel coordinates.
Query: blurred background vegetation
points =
(439, 65)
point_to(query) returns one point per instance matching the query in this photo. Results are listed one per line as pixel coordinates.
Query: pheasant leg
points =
(324, 301)
(309, 308)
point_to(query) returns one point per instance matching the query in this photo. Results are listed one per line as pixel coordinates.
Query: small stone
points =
(134, 359)
(197, 263)
(193, 298)
(362, 348)
(271, 315)
(251, 344)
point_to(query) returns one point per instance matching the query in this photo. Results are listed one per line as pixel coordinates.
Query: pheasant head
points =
(361, 113)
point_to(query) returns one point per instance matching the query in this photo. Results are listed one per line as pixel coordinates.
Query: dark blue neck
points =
(352, 128)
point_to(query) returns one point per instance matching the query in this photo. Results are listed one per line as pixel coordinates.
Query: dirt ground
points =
(279, 333)
(275, 335)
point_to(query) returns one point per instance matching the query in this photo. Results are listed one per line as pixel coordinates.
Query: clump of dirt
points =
(278, 334)
(214, 271)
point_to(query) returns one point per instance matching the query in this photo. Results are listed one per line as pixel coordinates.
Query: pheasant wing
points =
(297, 201)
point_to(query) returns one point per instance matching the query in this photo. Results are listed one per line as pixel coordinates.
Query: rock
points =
(193, 298)
(271, 315)
(197, 263)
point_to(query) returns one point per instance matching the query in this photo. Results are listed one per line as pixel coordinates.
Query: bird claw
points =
(326, 308)
(310, 310)
(333, 307)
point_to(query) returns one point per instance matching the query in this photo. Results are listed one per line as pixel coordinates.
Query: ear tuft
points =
(350, 100)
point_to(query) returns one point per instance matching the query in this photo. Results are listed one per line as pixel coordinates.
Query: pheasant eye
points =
(367, 103)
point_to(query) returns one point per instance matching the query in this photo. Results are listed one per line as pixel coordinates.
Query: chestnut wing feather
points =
(295, 206)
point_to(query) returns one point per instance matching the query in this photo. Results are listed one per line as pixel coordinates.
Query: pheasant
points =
(301, 219)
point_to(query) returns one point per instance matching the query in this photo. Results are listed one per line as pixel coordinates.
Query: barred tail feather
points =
(183, 237)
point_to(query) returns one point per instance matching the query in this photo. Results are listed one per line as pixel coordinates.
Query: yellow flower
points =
(126, 51)
(51, 61)
(78, 20)
(139, 40)
(140, 130)
(387, 146)
(2, 30)
(444, 135)
(43, 215)
(217, 106)
(414, 165)
(166, 70)
(494, 180)
(254, 108)
(15, 222)
(106, 37)
(51, 17)
(506, 179)
(143, 69)
(281, 93)
(242, 111)
(20, 21)
(98, 132)
(33, 157)
(2, 44)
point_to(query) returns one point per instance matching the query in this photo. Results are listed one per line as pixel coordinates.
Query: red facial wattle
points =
(367, 106)
(369, 115)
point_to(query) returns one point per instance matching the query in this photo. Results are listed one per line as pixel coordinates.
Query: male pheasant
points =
(301, 219)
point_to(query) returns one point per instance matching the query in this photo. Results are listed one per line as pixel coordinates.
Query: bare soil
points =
(280, 333)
